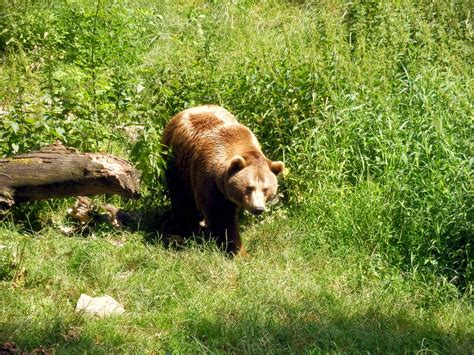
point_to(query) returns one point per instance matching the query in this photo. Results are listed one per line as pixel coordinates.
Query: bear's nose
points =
(258, 211)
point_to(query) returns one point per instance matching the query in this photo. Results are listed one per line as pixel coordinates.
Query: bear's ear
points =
(237, 163)
(277, 167)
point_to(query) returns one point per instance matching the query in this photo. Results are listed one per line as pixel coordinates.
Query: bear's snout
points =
(257, 211)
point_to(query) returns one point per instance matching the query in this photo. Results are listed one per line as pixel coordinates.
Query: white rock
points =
(99, 306)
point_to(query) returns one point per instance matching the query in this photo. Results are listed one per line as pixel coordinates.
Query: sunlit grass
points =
(197, 299)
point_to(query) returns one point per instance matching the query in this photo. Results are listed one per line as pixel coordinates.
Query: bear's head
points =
(251, 181)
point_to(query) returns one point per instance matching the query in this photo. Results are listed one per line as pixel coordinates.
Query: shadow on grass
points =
(293, 332)
(160, 228)
(155, 223)
(372, 332)
(26, 336)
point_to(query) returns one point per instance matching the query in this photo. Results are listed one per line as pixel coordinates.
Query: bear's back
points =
(206, 125)
(207, 117)
(207, 137)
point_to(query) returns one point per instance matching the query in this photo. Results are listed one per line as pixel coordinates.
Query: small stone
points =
(66, 230)
(99, 306)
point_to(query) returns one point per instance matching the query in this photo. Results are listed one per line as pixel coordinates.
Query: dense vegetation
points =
(368, 103)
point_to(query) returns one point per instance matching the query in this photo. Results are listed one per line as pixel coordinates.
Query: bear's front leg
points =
(185, 218)
(223, 225)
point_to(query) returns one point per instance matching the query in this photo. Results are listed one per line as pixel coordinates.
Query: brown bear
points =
(215, 168)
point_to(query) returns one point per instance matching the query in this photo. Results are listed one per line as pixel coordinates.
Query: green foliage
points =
(147, 154)
(82, 60)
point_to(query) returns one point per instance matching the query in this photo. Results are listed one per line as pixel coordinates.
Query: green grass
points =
(198, 300)
(368, 103)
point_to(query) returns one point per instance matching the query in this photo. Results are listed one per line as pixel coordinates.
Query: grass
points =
(198, 300)
(368, 103)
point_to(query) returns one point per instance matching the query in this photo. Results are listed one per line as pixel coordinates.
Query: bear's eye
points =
(265, 191)
(249, 189)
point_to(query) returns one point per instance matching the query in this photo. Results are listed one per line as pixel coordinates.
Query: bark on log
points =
(56, 171)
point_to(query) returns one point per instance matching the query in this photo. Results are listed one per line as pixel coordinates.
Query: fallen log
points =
(56, 171)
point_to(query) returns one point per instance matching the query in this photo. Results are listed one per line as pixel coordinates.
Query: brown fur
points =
(215, 168)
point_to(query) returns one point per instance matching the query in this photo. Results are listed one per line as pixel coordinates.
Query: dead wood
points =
(56, 171)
